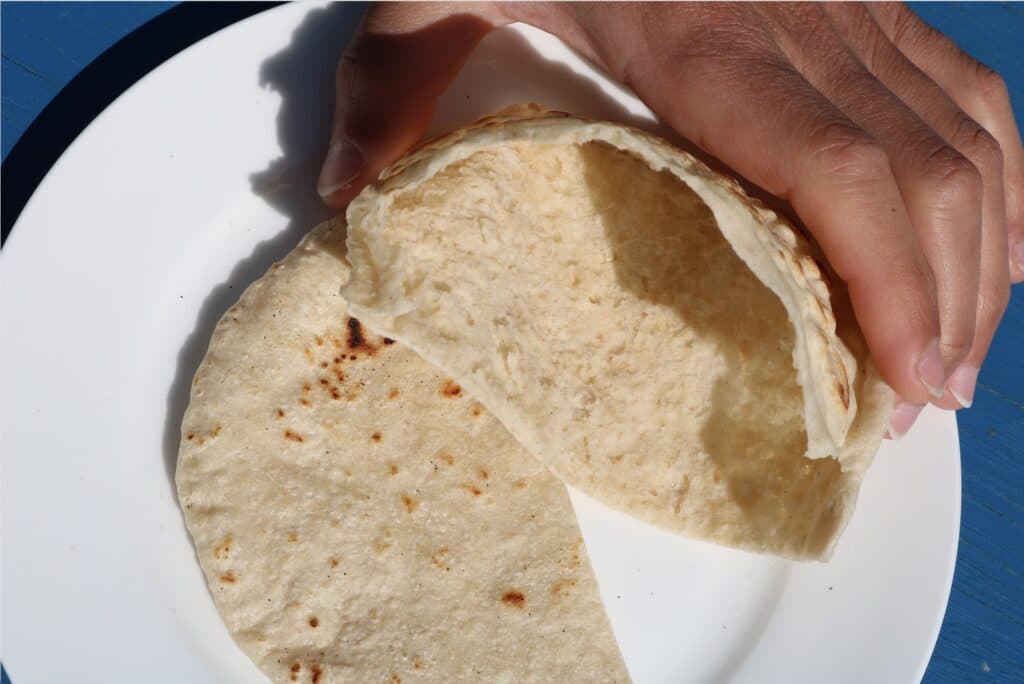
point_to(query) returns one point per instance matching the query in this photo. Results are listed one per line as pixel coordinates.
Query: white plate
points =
(180, 194)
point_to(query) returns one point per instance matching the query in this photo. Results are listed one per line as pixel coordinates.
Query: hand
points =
(897, 150)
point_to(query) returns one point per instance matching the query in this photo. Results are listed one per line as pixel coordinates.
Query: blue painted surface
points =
(982, 638)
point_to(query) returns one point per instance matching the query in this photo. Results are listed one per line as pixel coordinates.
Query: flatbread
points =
(654, 335)
(359, 518)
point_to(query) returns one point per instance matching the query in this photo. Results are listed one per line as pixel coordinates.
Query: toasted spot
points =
(393, 393)
(484, 474)
(314, 673)
(387, 340)
(477, 411)
(215, 431)
(417, 664)
(319, 341)
(309, 355)
(514, 598)
(229, 577)
(410, 503)
(294, 436)
(395, 678)
(338, 375)
(280, 413)
(334, 562)
(190, 436)
(304, 402)
(324, 364)
(295, 671)
(472, 488)
(562, 587)
(325, 381)
(393, 469)
(519, 484)
(375, 436)
(222, 549)
(314, 621)
(355, 334)
(335, 394)
(437, 558)
(306, 387)
(447, 458)
(293, 537)
(450, 389)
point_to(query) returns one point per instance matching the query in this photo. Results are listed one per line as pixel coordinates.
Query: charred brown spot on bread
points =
(307, 387)
(417, 664)
(514, 598)
(338, 375)
(335, 394)
(387, 340)
(293, 436)
(393, 393)
(323, 364)
(355, 334)
(325, 382)
(376, 437)
(215, 431)
(190, 436)
(305, 402)
(295, 669)
(410, 503)
(229, 577)
(395, 678)
(447, 458)
(334, 562)
(484, 474)
(223, 549)
(473, 489)
(280, 413)
(293, 537)
(314, 674)
(319, 341)
(314, 621)
(519, 484)
(450, 389)
(393, 469)
(477, 411)
(561, 588)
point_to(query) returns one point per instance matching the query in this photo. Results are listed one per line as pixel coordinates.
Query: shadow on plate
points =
(303, 74)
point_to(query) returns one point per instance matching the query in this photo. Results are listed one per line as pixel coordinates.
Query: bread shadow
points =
(758, 457)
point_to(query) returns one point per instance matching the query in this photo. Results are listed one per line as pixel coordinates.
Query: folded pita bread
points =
(657, 337)
(359, 518)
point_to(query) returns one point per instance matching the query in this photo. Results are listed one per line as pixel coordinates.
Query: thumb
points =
(401, 59)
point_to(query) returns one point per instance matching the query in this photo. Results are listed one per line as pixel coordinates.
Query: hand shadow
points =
(303, 74)
(503, 70)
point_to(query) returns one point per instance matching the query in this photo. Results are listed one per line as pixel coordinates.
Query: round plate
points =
(150, 226)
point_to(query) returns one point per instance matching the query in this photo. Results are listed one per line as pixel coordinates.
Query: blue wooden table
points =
(64, 62)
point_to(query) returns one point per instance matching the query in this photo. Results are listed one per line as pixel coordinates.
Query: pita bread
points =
(658, 338)
(359, 518)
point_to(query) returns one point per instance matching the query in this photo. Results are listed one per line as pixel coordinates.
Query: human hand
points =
(898, 151)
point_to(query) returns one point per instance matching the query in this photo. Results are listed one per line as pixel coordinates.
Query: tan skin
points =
(898, 151)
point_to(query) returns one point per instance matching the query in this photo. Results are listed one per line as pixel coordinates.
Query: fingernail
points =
(961, 384)
(343, 164)
(1018, 255)
(903, 416)
(930, 369)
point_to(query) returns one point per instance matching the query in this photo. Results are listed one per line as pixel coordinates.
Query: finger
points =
(940, 112)
(979, 91)
(767, 122)
(401, 59)
(940, 187)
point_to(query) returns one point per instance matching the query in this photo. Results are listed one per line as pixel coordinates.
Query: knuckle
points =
(954, 174)
(957, 344)
(988, 86)
(978, 145)
(907, 27)
(847, 150)
(992, 303)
